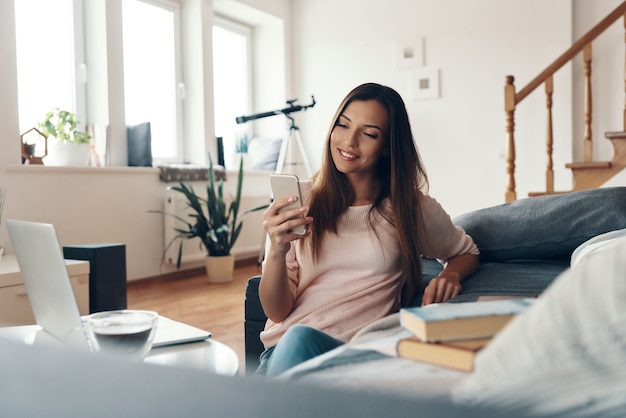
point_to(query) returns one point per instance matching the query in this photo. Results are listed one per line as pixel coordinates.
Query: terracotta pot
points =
(220, 269)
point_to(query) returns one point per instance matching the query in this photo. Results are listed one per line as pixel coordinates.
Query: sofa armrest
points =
(254, 323)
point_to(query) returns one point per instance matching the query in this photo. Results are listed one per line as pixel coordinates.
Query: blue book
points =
(458, 321)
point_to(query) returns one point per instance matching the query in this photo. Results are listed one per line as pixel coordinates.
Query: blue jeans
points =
(298, 344)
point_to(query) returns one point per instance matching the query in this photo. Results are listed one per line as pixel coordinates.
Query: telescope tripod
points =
(287, 157)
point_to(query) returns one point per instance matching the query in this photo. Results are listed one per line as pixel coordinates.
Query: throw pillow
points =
(565, 355)
(264, 152)
(545, 227)
(139, 140)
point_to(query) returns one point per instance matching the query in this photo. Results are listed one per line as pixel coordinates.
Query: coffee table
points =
(209, 355)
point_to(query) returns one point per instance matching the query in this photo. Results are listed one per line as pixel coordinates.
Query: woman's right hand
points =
(274, 292)
(279, 224)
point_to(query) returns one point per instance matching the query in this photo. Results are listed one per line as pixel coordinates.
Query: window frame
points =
(100, 85)
(246, 30)
(179, 86)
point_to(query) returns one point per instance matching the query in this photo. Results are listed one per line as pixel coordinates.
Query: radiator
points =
(248, 244)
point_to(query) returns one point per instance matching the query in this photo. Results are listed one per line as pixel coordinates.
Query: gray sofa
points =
(524, 246)
(49, 381)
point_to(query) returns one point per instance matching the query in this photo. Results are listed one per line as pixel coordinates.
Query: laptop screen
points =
(47, 281)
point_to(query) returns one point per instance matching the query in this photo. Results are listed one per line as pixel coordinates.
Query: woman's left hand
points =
(440, 289)
(448, 284)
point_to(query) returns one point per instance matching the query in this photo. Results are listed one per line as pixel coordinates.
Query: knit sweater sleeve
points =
(443, 239)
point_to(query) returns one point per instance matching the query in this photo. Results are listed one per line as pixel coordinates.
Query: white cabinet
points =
(14, 304)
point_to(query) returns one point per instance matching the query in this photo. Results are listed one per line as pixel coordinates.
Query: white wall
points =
(475, 44)
(607, 64)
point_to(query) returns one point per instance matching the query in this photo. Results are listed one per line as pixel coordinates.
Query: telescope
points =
(285, 111)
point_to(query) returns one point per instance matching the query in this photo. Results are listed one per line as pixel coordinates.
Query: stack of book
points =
(450, 334)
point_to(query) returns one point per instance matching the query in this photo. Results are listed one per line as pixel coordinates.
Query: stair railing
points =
(513, 98)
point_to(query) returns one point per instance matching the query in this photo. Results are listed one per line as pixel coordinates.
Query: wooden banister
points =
(572, 51)
(509, 109)
(587, 141)
(512, 99)
(549, 136)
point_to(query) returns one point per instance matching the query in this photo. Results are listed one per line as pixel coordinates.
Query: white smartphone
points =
(284, 185)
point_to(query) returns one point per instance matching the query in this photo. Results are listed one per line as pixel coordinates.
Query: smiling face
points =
(359, 138)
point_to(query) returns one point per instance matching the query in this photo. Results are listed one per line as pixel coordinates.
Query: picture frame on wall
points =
(409, 53)
(425, 83)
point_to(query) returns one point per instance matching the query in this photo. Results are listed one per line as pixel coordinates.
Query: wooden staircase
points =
(587, 174)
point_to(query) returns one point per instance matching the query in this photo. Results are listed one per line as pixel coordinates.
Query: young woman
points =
(368, 223)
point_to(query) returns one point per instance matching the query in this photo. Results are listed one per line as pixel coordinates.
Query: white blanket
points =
(369, 363)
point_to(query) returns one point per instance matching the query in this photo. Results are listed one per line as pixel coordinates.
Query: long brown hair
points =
(400, 175)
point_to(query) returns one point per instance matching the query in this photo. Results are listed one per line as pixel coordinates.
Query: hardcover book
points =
(457, 321)
(457, 355)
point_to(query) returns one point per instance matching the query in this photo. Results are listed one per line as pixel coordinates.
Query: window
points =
(232, 87)
(55, 38)
(151, 69)
(46, 60)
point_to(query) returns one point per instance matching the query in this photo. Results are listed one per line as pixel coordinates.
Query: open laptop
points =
(52, 299)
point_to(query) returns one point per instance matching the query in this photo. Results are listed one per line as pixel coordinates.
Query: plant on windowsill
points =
(214, 221)
(67, 145)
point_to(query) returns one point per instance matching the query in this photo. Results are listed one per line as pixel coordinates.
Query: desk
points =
(209, 355)
(15, 306)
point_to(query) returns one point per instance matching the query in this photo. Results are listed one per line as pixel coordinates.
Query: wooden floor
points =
(218, 308)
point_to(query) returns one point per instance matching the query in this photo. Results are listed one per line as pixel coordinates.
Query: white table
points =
(209, 355)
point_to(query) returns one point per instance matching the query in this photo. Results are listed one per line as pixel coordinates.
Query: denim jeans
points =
(298, 344)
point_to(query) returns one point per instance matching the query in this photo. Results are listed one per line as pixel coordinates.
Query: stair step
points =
(618, 139)
(589, 165)
(615, 135)
(535, 194)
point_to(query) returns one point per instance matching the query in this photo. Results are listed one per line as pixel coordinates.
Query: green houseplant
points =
(71, 146)
(214, 221)
(63, 125)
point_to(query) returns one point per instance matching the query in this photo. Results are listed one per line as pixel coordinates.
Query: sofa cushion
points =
(567, 352)
(545, 227)
(511, 278)
(507, 278)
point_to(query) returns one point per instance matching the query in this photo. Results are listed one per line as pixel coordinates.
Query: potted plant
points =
(214, 221)
(70, 146)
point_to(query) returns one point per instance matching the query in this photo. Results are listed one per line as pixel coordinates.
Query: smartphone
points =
(284, 185)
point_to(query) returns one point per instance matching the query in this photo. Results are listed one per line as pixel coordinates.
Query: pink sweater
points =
(355, 280)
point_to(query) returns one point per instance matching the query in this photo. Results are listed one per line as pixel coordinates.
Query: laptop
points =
(52, 299)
